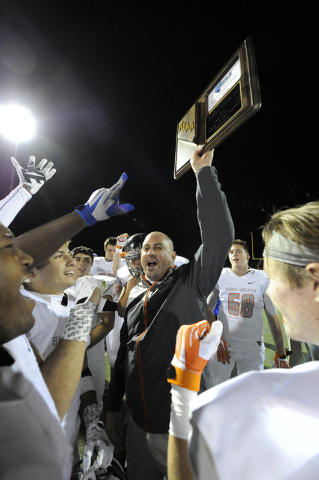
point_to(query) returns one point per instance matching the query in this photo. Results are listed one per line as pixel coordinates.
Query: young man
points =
(163, 299)
(242, 292)
(51, 312)
(83, 261)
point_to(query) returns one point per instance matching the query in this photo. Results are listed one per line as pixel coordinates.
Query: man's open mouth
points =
(151, 263)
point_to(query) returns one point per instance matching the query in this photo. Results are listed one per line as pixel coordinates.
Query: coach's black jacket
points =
(148, 341)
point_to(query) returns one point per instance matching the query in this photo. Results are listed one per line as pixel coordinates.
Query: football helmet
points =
(132, 254)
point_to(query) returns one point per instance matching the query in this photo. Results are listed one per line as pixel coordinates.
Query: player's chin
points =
(70, 281)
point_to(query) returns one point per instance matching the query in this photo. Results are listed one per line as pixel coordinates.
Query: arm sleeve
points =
(11, 205)
(217, 229)
(213, 297)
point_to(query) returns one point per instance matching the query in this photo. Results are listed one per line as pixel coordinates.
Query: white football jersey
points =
(29, 421)
(25, 362)
(50, 320)
(241, 302)
(268, 420)
(102, 266)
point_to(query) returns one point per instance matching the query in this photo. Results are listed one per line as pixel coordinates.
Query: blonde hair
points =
(301, 225)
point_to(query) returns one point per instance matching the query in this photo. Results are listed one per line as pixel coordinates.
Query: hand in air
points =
(104, 203)
(34, 177)
(195, 345)
(198, 162)
(121, 242)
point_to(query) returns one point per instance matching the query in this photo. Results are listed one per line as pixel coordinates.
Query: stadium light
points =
(16, 123)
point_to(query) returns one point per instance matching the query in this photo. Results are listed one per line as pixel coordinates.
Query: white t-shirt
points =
(259, 425)
(241, 302)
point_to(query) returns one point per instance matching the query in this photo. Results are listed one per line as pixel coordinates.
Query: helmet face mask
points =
(136, 272)
(132, 253)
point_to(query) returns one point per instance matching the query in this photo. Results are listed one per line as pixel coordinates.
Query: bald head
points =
(164, 236)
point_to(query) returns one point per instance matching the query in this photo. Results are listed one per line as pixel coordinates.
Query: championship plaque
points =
(230, 100)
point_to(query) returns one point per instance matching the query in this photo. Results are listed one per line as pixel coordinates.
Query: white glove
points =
(121, 242)
(32, 177)
(104, 203)
(96, 437)
(195, 344)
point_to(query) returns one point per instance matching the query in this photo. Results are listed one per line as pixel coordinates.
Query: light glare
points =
(16, 123)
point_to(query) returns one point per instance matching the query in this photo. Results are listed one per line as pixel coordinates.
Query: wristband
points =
(180, 377)
(90, 414)
(180, 412)
(79, 323)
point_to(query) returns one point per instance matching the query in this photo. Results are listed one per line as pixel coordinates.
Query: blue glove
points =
(104, 203)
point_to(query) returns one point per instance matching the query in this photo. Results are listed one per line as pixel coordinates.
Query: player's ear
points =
(174, 256)
(313, 270)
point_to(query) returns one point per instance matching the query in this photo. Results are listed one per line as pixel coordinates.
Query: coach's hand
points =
(195, 345)
(198, 162)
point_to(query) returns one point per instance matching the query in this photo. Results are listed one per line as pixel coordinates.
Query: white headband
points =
(284, 250)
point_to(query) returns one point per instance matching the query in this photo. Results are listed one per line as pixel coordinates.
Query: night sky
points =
(109, 81)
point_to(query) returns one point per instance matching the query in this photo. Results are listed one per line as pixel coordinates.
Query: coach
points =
(166, 298)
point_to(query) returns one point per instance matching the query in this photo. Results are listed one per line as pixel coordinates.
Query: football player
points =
(242, 293)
